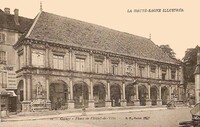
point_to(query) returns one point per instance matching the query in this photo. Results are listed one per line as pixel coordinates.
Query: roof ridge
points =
(33, 25)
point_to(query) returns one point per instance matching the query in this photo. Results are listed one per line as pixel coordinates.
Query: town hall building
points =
(64, 63)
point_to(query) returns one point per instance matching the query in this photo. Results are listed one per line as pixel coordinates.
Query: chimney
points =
(7, 10)
(16, 16)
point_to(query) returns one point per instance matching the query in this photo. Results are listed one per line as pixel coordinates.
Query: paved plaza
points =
(157, 117)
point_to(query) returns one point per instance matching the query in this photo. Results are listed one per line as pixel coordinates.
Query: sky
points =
(180, 30)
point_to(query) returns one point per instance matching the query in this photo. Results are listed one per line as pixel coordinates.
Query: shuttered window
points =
(2, 57)
(3, 79)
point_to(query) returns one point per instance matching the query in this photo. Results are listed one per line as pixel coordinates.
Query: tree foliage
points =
(169, 51)
(190, 61)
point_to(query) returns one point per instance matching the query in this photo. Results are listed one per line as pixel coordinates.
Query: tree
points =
(190, 61)
(169, 51)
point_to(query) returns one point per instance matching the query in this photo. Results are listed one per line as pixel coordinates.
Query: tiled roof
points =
(53, 28)
(7, 22)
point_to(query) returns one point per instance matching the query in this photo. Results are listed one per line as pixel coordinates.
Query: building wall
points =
(9, 67)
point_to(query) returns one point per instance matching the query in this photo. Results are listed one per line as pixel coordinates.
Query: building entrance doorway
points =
(130, 94)
(58, 95)
(143, 93)
(81, 95)
(20, 95)
(164, 95)
(99, 94)
(154, 95)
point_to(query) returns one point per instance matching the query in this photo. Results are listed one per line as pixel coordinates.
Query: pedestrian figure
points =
(83, 111)
(113, 102)
(175, 100)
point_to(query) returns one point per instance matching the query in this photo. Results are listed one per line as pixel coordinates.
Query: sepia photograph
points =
(73, 63)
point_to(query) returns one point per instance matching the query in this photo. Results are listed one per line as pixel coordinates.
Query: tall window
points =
(2, 37)
(114, 68)
(38, 58)
(58, 62)
(3, 79)
(141, 72)
(2, 57)
(80, 64)
(173, 74)
(21, 61)
(153, 72)
(129, 69)
(164, 74)
(98, 67)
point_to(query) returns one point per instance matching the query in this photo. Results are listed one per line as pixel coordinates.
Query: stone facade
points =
(120, 89)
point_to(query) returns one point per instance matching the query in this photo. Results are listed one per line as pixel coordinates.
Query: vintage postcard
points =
(99, 63)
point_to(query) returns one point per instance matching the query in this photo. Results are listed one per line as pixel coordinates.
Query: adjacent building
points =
(64, 63)
(12, 26)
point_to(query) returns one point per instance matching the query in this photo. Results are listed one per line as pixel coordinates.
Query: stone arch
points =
(81, 94)
(164, 95)
(154, 94)
(20, 94)
(115, 94)
(99, 94)
(58, 94)
(130, 94)
(143, 94)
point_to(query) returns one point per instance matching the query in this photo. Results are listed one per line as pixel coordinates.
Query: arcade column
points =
(71, 100)
(91, 98)
(123, 100)
(108, 101)
(148, 101)
(26, 93)
(136, 101)
(159, 100)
